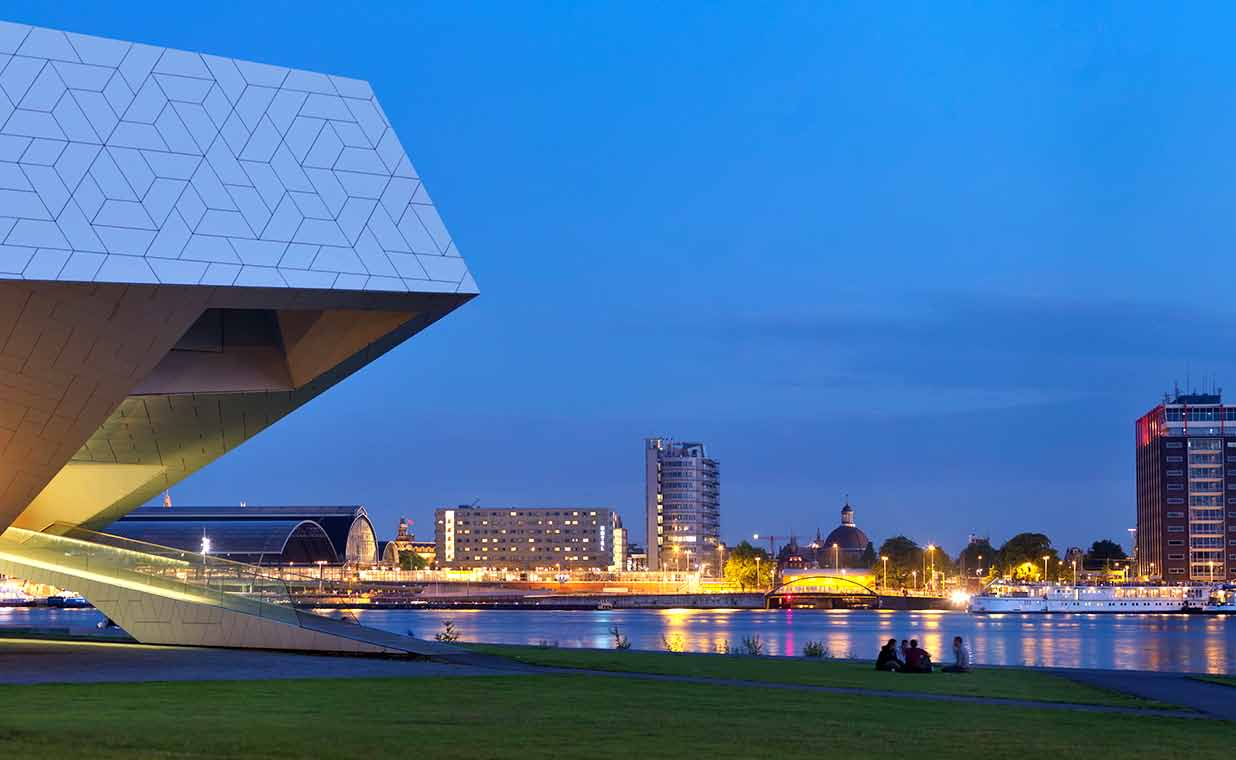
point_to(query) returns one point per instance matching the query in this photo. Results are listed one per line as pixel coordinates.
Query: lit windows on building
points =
(1185, 448)
(528, 539)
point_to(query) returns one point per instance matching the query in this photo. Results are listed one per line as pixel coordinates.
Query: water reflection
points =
(1194, 643)
(1140, 642)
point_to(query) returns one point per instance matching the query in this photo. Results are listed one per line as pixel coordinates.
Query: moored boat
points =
(1005, 596)
(1222, 600)
(12, 595)
(69, 600)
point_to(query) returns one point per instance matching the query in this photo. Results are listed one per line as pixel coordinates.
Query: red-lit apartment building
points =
(1186, 489)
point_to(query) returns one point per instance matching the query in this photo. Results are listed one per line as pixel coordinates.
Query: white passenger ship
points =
(12, 595)
(1129, 598)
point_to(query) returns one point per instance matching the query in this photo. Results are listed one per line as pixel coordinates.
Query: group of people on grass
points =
(911, 658)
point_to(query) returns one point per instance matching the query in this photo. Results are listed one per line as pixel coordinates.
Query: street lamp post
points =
(1045, 558)
(836, 557)
(1074, 572)
(321, 571)
(758, 583)
(915, 574)
(884, 559)
(931, 550)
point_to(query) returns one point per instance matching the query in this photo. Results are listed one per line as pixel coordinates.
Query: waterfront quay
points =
(383, 588)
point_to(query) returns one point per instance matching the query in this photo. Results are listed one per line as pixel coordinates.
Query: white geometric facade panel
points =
(124, 162)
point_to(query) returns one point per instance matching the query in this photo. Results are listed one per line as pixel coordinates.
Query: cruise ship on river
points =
(1004, 596)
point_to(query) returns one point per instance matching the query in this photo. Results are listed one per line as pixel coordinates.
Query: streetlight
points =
(688, 560)
(915, 574)
(1074, 572)
(321, 563)
(757, 570)
(1045, 558)
(836, 557)
(1212, 570)
(980, 567)
(884, 559)
(931, 550)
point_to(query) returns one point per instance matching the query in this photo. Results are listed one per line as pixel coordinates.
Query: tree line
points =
(1025, 556)
(907, 564)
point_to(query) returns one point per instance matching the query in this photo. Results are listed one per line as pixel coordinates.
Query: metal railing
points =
(150, 568)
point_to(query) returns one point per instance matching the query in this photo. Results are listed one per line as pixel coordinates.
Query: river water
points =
(1182, 643)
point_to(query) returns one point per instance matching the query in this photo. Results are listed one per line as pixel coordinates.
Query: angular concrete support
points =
(172, 287)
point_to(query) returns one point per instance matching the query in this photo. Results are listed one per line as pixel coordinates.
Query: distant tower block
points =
(1186, 490)
(682, 505)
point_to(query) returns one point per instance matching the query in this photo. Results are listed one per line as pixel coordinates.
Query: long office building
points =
(682, 505)
(522, 538)
(1186, 489)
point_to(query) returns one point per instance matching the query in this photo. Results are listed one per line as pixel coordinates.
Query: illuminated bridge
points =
(821, 590)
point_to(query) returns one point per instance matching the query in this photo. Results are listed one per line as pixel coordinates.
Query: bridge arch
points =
(802, 585)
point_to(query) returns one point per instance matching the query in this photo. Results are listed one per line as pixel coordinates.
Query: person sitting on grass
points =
(905, 650)
(887, 658)
(917, 660)
(961, 657)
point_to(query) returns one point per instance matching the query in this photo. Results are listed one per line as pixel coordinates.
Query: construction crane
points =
(771, 539)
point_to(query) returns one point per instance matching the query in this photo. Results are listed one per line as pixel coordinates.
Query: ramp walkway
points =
(161, 595)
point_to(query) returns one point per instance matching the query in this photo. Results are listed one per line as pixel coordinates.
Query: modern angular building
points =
(682, 505)
(191, 248)
(259, 535)
(522, 538)
(1186, 489)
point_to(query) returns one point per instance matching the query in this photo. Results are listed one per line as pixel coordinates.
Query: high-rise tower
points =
(682, 505)
(1186, 469)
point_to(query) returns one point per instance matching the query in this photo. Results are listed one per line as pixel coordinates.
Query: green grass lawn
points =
(1011, 683)
(1221, 680)
(561, 716)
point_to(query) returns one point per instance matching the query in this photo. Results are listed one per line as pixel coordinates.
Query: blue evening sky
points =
(935, 256)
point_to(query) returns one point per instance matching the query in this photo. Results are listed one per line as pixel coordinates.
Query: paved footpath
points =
(24, 661)
(1212, 699)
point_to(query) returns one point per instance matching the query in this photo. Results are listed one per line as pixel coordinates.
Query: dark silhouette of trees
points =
(869, 557)
(904, 557)
(968, 558)
(1102, 553)
(1022, 555)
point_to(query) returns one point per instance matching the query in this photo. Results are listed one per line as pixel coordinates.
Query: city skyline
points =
(950, 255)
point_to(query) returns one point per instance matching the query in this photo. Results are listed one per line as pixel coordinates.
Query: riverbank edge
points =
(871, 661)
